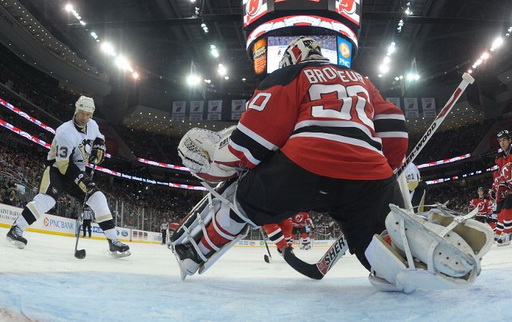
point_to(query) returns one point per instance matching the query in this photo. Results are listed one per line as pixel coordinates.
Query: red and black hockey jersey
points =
(301, 220)
(502, 184)
(484, 205)
(327, 119)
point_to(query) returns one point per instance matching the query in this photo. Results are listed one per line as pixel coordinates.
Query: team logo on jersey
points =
(85, 148)
(506, 171)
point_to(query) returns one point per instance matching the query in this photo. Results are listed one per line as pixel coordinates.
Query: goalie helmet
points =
(301, 49)
(85, 104)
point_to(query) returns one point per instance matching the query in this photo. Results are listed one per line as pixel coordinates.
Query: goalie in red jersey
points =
(316, 137)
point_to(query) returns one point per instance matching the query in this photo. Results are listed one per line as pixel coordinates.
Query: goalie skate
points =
(118, 249)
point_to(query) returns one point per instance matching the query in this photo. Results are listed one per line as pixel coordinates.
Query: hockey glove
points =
(84, 182)
(98, 151)
(206, 154)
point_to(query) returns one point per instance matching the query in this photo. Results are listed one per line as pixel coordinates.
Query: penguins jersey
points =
(71, 147)
(327, 119)
(413, 176)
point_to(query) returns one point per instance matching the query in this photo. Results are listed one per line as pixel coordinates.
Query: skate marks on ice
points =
(44, 282)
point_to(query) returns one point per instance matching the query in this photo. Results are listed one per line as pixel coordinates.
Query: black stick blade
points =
(309, 270)
(80, 254)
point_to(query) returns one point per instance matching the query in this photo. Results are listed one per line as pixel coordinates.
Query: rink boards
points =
(55, 225)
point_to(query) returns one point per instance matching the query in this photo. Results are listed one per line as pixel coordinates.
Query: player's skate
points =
(118, 249)
(14, 235)
(503, 240)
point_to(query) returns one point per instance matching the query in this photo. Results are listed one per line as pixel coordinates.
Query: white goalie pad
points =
(432, 250)
(207, 156)
(193, 227)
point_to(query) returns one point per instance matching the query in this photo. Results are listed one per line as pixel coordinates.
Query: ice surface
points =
(45, 282)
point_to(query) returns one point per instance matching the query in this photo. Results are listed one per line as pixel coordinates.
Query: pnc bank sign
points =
(49, 222)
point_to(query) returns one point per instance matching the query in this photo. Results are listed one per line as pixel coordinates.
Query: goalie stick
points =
(337, 250)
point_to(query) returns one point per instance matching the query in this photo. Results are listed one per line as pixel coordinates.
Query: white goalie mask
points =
(301, 49)
(85, 104)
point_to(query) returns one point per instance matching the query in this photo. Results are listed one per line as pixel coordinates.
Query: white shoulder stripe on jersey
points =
(338, 138)
(245, 152)
(345, 124)
(402, 135)
(253, 135)
(399, 117)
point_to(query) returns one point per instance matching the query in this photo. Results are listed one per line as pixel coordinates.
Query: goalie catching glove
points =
(207, 156)
(98, 151)
(432, 250)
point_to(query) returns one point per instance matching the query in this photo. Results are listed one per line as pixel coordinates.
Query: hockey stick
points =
(337, 250)
(266, 258)
(80, 253)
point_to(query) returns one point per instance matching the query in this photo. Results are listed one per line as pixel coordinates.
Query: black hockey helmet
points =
(503, 134)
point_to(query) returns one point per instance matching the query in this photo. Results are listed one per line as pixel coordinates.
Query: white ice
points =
(45, 282)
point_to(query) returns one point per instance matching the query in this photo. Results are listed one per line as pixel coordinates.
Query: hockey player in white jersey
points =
(416, 187)
(76, 142)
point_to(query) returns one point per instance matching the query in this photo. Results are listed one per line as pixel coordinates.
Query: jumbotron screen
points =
(276, 45)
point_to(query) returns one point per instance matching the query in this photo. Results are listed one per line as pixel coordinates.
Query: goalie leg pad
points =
(441, 247)
(194, 228)
(391, 274)
(432, 251)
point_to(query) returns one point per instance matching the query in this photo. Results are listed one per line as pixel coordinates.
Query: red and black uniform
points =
(485, 207)
(300, 221)
(326, 119)
(318, 136)
(502, 187)
(280, 233)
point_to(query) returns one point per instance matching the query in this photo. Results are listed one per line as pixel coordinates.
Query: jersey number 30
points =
(348, 98)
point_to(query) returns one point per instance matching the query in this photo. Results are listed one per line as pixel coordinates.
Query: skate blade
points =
(120, 254)
(16, 243)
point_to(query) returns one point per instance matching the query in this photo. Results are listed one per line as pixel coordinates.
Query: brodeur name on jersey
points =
(327, 119)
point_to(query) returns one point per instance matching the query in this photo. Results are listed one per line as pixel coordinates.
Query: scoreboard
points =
(271, 24)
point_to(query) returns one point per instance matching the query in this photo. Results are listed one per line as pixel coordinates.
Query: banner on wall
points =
(214, 110)
(428, 105)
(237, 108)
(196, 110)
(411, 108)
(178, 110)
(394, 100)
